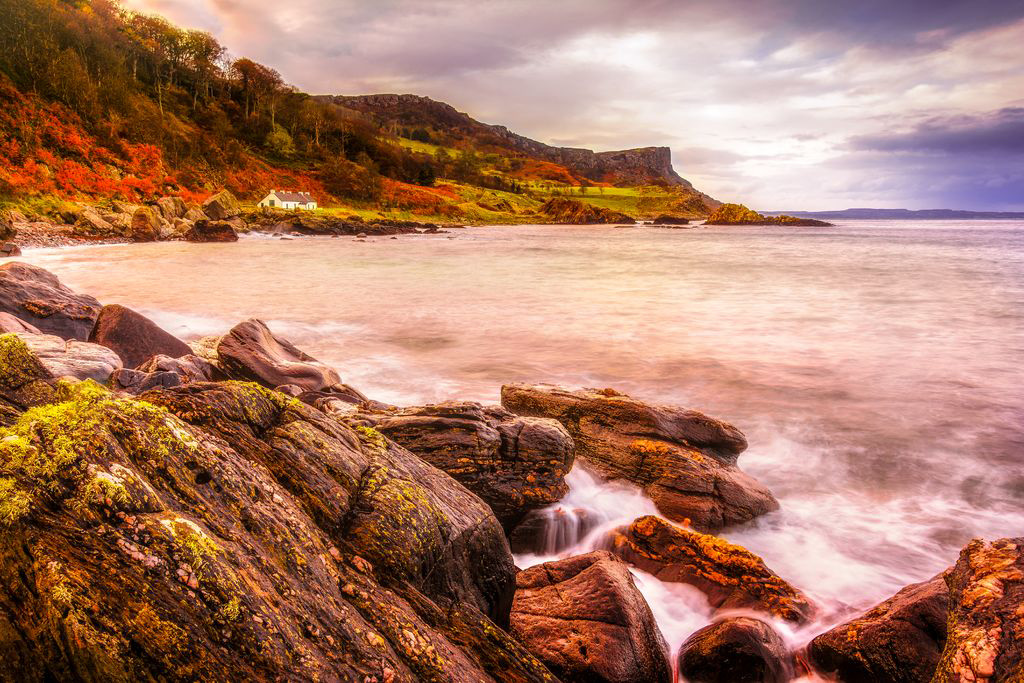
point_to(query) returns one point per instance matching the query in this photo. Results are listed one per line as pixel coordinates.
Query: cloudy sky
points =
(780, 104)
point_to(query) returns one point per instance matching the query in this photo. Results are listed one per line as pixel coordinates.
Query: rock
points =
(897, 641)
(226, 532)
(668, 219)
(76, 359)
(684, 460)
(729, 575)
(572, 212)
(145, 225)
(737, 214)
(9, 249)
(211, 231)
(515, 464)
(985, 638)
(24, 382)
(10, 323)
(193, 215)
(736, 650)
(121, 222)
(163, 372)
(221, 205)
(91, 223)
(133, 336)
(171, 208)
(361, 235)
(585, 619)
(552, 530)
(250, 351)
(7, 225)
(37, 297)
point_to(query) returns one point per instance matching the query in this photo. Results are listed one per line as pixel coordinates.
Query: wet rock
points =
(573, 212)
(985, 638)
(897, 641)
(211, 231)
(514, 464)
(10, 323)
(9, 249)
(551, 530)
(668, 219)
(75, 359)
(161, 372)
(736, 650)
(37, 297)
(145, 225)
(250, 351)
(221, 206)
(684, 460)
(226, 532)
(133, 336)
(585, 619)
(729, 575)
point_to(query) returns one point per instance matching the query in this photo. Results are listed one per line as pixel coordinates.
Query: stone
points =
(171, 207)
(737, 214)
(133, 336)
(9, 249)
(985, 636)
(91, 223)
(236, 496)
(221, 205)
(145, 226)
(250, 351)
(736, 650)
(211, 231)
(729, 575)
(897, 641)
(515, 464)
(669, 219)
(24, 381)
(36, 296)
(8, 229)
(685, 461)
(567, 211)
(585, 619)
(551, 530)
(194, 214)
(10, 323)
(76, 359)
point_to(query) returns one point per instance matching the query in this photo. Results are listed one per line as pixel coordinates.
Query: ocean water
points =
(876, 367)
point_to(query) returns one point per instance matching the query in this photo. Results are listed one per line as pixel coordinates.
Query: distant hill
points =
(898, 214)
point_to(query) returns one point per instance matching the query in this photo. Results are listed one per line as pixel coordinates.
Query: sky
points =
(798, 104)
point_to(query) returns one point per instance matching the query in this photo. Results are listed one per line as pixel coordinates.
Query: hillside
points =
(98, 103)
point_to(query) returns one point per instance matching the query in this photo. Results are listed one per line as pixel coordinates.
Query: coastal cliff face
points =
(643, 165)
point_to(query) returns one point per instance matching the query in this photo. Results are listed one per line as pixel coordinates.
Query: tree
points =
(280, 143)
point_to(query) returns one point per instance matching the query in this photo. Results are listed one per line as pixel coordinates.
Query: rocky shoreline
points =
(230, 509)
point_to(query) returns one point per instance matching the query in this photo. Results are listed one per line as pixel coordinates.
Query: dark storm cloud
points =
(1000, 132)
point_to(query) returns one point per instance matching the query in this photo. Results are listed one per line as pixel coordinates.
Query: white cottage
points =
(277, 199)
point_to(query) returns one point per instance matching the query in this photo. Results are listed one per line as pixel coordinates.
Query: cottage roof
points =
(300, 197)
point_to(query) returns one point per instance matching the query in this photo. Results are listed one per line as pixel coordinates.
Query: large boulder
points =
(161, 372)
(553, 529)
(221, 206)
(146, 225)
(585, 619)
(10, 323)
(171, 208)
(515, 464)
(227, 532)
(729, 575)
(736, 650)
(897, 641)
(38, 297)
(985, 637)
(8, 229)
(211, 231)
(91, 223)
(133, 336)
(24, 381)
(250, 351)
(75, 359)
(684, 460)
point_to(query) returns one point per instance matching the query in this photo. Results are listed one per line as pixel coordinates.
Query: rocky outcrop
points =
(9, 250)
(250, 351)
(74, 359)
(24, 381)
(515, 464)
(897, 641)
(171, 208)
(729, 575)
(985, 637)
(133, 336)
(145, 226)
(303, 223)
(221, 206)
(573, 212)
(161, 372)
(737, 214)
(684, 460)
(552, 530)
(668, 219)
(91, 223)
(10, 323)
(585, 619)
(736, 650)
(227, 532)
(211, 231)
(38, 297)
